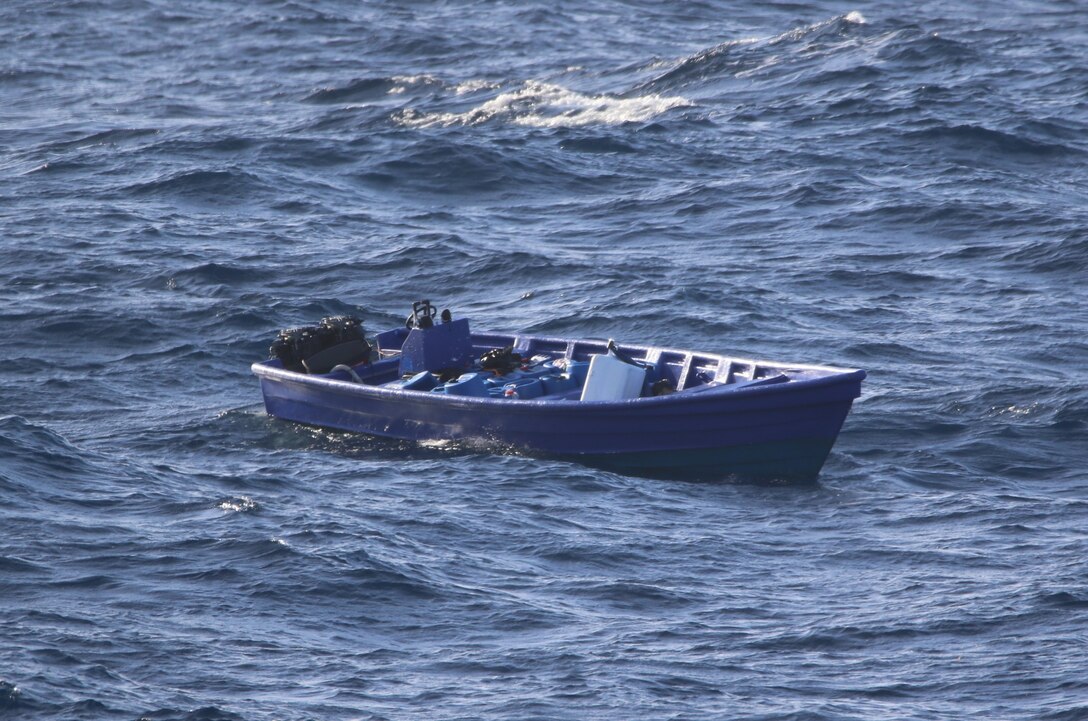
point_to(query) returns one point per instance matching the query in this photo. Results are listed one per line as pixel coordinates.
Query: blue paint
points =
(469, 384)
(784, 403)
(442, 347)
(902, 192)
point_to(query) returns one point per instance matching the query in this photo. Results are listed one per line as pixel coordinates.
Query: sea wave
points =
(899, 190)
(547, 105)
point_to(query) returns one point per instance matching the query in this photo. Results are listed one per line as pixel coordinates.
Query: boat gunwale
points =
(268, 369)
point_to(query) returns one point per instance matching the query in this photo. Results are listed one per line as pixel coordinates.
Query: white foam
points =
(424, 78)
(471, 86)
(853, 17)
(403, 81)
(238, 504)
(545, 105)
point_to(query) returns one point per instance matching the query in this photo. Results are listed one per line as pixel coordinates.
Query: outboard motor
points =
(317, 349)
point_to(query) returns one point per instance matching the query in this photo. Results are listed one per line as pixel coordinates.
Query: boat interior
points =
(444, 356)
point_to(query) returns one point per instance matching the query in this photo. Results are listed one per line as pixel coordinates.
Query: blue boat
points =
(635, 409)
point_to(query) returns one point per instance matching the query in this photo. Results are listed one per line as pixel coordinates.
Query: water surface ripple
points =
(896, 188)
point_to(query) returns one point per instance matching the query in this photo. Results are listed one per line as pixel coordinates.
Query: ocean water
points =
(902, 188)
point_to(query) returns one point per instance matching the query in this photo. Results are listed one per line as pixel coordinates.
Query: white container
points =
(610, 379)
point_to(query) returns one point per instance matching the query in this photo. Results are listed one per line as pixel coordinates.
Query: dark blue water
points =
(902, 188)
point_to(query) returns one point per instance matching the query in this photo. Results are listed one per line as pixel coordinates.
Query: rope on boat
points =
(354, 376)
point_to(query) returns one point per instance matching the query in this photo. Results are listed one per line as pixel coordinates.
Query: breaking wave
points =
(546, 105)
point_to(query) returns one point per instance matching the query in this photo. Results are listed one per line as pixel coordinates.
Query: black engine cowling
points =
(317, 349)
